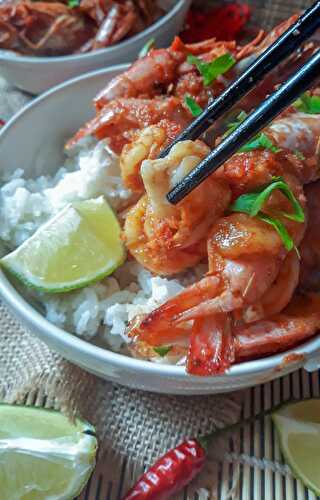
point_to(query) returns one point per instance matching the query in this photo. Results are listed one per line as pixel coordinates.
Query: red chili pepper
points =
(2, 122)
(171, 473)
(179, 466)
(223, 23)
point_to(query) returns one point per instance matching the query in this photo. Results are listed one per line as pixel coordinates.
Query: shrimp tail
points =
(164, 318)
(211, 350)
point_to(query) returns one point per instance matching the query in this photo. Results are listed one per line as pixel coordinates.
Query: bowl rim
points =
(12, 57)
(26, 312)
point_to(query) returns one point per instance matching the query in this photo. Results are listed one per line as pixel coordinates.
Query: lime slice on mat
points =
(78, 246)
(43, 456)
(298, 426)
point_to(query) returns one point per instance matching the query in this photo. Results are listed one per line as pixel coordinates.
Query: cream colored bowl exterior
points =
(33, 140)
(37, 74)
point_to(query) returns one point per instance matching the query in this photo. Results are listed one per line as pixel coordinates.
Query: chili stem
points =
(206, 440)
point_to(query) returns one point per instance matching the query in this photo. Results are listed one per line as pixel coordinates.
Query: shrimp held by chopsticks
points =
(164, 238)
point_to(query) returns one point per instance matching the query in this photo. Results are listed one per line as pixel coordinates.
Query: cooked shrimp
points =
(310, 246)
(116, 19)
(251, 276)
(245, 256)
(42, 29)
(211, 349)
(216, 342)
(298, 322)
(147, 145)
(163, 74)
(145, 78)
(278, 296)
(164, 69)
(120, 120)
(151, 75)
(165, 238)
(296, 132)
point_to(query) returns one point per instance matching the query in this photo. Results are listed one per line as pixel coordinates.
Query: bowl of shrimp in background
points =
(66, 47)
(210, 298)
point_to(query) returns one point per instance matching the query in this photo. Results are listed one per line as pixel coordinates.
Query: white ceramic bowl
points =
(37, 74)
(33, 140)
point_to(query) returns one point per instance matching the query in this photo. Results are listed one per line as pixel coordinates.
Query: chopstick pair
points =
(300, 31)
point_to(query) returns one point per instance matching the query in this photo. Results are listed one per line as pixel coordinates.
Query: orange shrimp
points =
(278, 296)
(245, 258)
(297, 323)
(310, 246)
(168, 239)
(215, 343)
(42, 28)
(121, 119)
(151, 75)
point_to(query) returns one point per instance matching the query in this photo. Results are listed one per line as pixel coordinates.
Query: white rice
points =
(106, 307)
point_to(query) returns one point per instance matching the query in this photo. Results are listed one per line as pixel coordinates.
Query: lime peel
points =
(77, 247)
(44, 454)
(298, 428)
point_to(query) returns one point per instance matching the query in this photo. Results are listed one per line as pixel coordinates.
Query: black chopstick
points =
(287, 43)
(256, 121)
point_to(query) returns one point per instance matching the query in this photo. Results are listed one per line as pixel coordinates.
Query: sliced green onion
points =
(210, 71)
(280, 228)
(73, 3)
(162, 350)
(299, 155)
(194, 108)
(252, 203)
(260, 141)
(232, 126)
(308, 104)
(147, 47)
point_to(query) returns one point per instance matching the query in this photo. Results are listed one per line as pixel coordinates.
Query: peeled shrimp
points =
(164, 238)
(147, 145)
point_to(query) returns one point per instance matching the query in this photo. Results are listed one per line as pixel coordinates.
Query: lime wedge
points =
(43, 456)
(298, 427)
(78, 246)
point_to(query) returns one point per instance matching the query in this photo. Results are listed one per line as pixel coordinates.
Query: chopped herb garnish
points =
(162, 350)
(280, 228)
(73, 3)
(260, 141)
(147, 47)
(308, 103)
(232, 126)
(252, 203)
(298, 154)
(211, 70)
(194, 108)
